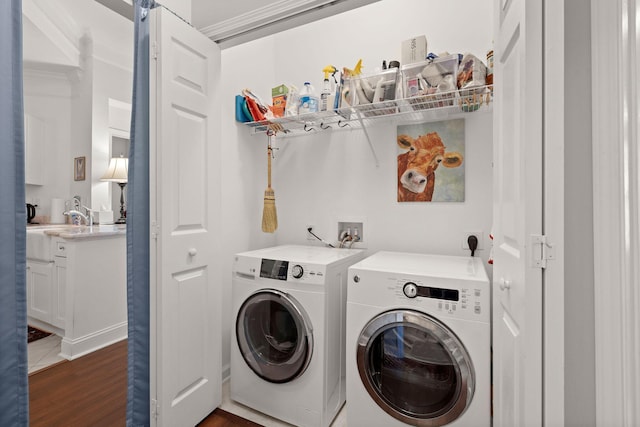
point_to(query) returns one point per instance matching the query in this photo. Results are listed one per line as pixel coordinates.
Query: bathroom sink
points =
(39, 243)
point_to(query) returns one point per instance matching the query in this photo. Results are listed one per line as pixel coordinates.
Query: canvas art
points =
(431, 162)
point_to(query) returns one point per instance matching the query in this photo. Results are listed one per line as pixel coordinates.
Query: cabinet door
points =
(34, 134)
(39, 290)
(59, 294)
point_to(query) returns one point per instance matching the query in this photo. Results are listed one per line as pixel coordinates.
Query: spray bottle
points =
(326, 96)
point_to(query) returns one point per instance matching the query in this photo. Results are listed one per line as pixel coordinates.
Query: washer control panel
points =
(291, 271)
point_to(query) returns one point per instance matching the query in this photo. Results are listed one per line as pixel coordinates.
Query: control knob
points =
(410, 290)
(297, 271)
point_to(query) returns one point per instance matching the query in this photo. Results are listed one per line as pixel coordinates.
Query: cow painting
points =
(418, 164)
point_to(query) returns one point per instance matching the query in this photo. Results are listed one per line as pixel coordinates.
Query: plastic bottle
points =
(292, 102)
(308, 101)
(326, 96)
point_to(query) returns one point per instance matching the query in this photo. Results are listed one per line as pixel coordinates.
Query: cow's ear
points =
(452, 159)
(405, 141)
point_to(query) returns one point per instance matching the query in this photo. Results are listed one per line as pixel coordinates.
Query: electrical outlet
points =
(313, 228)
(353, 227)
(478, 234)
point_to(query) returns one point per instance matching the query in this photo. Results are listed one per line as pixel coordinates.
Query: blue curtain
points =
(138, 302)
(14, 387)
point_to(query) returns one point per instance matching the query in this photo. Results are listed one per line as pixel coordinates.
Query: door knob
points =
(504, 284)
(193, 252)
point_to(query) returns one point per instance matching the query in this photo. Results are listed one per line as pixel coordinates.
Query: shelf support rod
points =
(366, 134)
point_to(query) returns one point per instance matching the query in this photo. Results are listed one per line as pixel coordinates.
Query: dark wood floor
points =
(91, 391)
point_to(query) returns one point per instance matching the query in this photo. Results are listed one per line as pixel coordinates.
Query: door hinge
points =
(155, 230)
(541, 250)
(155, 409)
(154, 50)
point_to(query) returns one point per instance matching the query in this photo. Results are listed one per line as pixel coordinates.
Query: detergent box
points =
(279, 100)
(414, 50)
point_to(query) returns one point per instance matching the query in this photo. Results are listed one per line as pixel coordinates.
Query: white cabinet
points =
(34, 134)
(91, 303)
(76, 285)
(59, 292)
(46, 291)
(39, 290)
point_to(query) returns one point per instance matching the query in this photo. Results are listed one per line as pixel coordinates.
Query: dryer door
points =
(415, 368)
(274, 335)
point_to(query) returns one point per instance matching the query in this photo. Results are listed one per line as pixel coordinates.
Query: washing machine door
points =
(415, 368)
(274, 335)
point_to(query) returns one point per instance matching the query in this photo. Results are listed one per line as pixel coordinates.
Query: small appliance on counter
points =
(31, 213)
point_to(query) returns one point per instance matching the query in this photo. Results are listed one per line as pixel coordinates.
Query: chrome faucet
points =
(88, 219)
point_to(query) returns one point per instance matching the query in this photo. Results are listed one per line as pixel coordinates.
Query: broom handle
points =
(269, 166)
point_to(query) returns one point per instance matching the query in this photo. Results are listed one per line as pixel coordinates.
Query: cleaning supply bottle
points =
(327, 94)
(308, 101)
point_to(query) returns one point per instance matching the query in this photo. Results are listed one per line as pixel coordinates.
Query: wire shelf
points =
(432, 107)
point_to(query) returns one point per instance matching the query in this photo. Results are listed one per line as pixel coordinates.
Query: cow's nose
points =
(422, 181)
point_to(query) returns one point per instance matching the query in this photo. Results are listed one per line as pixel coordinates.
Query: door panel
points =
(517, 287)
(185, 209)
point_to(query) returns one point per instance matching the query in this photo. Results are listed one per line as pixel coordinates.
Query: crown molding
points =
(57, 25)
(274, 17)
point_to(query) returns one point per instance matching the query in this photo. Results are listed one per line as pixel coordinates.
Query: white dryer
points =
(287, 345)
(418, 341)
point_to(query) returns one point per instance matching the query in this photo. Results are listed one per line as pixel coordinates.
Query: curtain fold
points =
(138, 233)
(14, 386)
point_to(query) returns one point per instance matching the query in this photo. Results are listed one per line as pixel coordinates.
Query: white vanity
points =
(76, 284)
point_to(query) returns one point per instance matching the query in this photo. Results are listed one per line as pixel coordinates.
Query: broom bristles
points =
(269, 215)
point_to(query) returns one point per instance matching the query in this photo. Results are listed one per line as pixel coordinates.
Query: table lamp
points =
(118, 172)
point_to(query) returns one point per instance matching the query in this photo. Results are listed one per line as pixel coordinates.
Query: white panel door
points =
(185, 128)
(517, 283)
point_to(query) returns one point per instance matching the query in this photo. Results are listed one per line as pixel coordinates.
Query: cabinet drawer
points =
(61, 248)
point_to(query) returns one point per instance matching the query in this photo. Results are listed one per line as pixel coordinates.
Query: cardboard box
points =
(414, 50)
(279, 100)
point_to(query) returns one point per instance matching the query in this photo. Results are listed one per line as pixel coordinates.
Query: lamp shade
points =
(117, 171)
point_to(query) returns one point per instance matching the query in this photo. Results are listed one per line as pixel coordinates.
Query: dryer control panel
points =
(460, 300)
(448, 300)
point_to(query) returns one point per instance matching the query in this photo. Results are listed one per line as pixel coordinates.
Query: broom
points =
(269, 217)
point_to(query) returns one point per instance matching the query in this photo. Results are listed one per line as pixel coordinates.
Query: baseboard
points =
(74, 348)
(226, 372)
(44, 326)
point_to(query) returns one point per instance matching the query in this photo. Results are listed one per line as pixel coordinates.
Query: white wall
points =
(320, 179)
(75, 102)
(81, 120)
(47, 96)
(111, 114)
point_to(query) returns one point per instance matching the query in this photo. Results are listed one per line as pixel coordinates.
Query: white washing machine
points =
(418, 341)
(287, 345)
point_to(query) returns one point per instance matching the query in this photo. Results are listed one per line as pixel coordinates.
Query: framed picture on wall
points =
(79, 168)
(431, 162)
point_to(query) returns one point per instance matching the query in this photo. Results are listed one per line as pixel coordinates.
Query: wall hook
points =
(341, 125)
(323, 127)
(308, 128)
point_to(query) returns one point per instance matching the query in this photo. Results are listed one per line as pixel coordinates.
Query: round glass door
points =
(415, 368)
(274, 335)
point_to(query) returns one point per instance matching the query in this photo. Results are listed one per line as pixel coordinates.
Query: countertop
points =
(72, 232)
